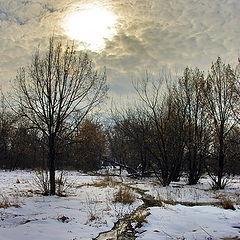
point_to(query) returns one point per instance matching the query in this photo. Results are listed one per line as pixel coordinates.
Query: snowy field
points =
(89, 208)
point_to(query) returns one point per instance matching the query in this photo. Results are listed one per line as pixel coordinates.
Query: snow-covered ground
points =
(88, 209)
(198, 222)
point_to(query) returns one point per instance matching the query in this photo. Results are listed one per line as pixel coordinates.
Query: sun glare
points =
(90, 27)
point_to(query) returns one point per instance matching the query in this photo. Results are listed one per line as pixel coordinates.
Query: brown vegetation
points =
(124, 195)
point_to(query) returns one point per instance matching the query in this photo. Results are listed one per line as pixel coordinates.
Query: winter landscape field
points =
(112, 207)
(138, 101)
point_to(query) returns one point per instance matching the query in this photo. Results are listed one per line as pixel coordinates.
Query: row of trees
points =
(192, 128)
(22, 147)
(186, 127)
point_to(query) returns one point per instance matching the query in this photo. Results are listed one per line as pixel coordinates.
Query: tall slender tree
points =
(189, 95)
(219, 95)
(167, 128)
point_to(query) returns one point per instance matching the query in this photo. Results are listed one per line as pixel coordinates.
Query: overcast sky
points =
(147, 35)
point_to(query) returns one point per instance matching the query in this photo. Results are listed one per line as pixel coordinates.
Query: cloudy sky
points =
(125, 36)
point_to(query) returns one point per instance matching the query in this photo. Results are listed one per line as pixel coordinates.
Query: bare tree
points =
(236, 106)
(166, 143)
(5, 131)
(119, 147)
(219, 95)
(233, 152)
(134, 127)
(58, 89)
(197, 137)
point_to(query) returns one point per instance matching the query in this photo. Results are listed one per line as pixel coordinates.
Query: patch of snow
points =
(88, 210)
(39, 217)
(181, 222)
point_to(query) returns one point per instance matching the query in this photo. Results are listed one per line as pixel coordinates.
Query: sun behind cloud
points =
(90, 26)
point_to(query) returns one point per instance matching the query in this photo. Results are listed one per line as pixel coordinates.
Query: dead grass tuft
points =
(6, 203)
(141, 218)
(93, 218)
(227, 204)
(62, 185)
(91, 206)
(160, 201)
(63, 219)
(125, 196)
(104, 182)
(42, 182)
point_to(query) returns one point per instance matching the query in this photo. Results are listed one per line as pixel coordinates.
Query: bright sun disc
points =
(90, 27)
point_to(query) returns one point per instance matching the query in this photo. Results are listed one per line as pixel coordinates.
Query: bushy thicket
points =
(22, 147)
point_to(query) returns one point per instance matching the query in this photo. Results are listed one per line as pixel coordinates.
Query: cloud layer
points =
(150, 34)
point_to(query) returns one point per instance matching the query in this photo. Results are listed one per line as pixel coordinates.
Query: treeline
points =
(24, 147)
(189, 127)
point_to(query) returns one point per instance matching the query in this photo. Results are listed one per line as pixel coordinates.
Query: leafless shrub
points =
(120, 210)
(42, 181)
(215, 186)
(62, 184)
(91, 206)
(117, 209)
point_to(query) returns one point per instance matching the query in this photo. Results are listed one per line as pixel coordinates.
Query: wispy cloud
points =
(150, 34)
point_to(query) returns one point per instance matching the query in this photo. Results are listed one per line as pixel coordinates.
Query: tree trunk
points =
(52, 164)
(220, 160)
(143, 162)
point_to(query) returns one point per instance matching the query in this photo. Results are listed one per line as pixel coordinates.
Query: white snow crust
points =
(41, 217)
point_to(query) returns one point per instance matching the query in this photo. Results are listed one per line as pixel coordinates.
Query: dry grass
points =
(91, 206)
(41, 181)
(63, 219)
(62, 185)
(227, 203)
(160, 200)
(104, 182)
(140, 218)
(93, 218)
(6, 203)
(125, 196)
